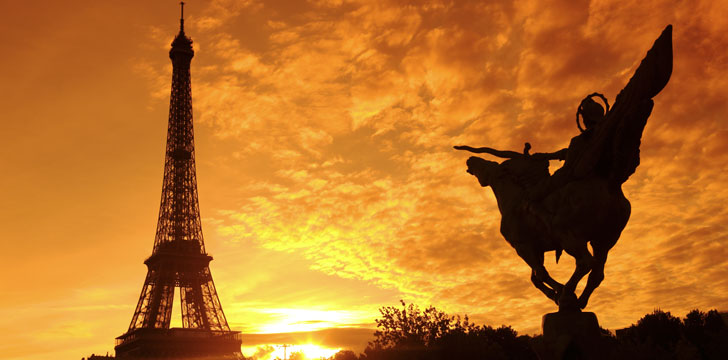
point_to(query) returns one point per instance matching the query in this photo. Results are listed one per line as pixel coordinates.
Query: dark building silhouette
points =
(179, 259)
(98, 357)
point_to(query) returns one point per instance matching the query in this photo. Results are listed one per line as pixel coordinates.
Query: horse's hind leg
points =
(595, 278)
(549, 292)
(545, 277)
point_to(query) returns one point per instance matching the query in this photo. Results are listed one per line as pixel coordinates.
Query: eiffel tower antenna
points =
(179, 259)
(182, 16)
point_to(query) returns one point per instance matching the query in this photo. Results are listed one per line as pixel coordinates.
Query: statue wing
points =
(614, 150)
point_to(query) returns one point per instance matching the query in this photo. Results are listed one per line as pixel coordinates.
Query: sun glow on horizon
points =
(299, 320)
(309, 351)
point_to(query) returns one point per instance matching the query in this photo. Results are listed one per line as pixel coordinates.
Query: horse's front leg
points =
(584, 263)
(539, 276)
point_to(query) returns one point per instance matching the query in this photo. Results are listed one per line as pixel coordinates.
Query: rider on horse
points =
(592, 114)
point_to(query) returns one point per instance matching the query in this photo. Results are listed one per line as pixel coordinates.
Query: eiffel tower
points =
(179, 259)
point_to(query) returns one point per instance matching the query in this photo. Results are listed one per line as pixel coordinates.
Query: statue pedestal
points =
(571, 334)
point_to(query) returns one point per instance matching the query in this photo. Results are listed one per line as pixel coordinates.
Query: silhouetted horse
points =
(588, 211)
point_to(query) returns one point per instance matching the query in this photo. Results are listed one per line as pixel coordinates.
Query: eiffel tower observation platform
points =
(177, 343)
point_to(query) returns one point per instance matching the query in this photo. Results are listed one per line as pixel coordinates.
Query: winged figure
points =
(582, 202)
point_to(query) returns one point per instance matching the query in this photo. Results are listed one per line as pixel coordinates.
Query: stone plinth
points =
(571, 334)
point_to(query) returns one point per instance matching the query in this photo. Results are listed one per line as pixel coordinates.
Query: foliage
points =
(262, 352)
(659, 328)
(407, 332)
(296, 355)
(345, 355)
(411, 333)
(660, 335)
(410, 327)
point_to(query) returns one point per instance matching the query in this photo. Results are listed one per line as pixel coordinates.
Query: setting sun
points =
(309, 351)
(288, 351)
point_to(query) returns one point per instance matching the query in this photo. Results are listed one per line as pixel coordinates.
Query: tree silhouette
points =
(660, 335)
(659, 328)
(409, 333)
(345, 355)
(410, 327)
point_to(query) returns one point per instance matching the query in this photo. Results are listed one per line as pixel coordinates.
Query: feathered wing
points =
(614, 150)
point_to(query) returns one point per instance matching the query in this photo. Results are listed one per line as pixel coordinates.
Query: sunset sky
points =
(327, 181)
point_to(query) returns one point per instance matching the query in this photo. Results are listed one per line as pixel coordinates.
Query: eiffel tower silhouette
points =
(179, 259)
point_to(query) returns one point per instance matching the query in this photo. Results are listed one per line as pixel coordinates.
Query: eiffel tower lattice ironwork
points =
(179, 259)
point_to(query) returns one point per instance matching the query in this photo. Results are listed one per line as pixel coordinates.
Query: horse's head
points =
(482, 169)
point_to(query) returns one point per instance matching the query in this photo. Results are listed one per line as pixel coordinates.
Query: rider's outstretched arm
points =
(499, 153)
(558, 155)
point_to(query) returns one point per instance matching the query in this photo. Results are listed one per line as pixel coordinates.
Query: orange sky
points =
(327, 182)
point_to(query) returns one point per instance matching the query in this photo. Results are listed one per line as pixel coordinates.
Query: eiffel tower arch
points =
(179, 260)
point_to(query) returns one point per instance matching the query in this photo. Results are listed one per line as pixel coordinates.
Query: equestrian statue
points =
(582, 202)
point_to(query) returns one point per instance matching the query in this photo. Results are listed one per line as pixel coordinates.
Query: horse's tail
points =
(558, 254)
